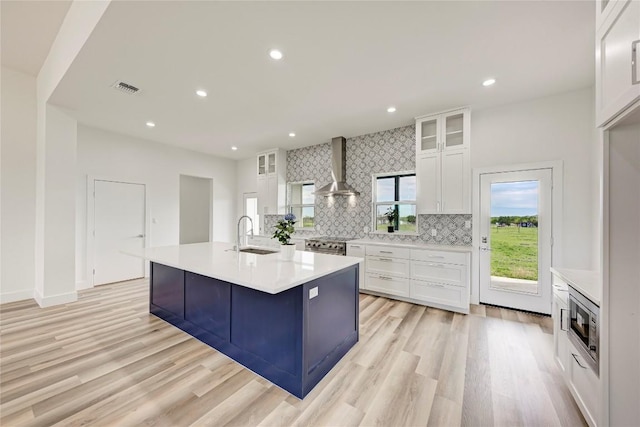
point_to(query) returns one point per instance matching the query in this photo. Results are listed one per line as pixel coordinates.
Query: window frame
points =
(299, 221)
(396, 202)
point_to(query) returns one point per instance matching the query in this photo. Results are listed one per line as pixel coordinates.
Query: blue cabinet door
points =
(167, 288)
(207, 304)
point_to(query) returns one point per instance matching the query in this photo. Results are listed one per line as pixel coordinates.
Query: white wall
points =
(559, 127)
(104, 154)
(246, 179)
(18, 170)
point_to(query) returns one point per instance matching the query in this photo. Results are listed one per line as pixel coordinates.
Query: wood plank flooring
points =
(104, 360)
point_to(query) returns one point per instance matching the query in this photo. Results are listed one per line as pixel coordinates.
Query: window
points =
(302, 203)
(397, 192)
(251, 210)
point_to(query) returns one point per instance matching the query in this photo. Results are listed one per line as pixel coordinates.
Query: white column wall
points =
(18, 176)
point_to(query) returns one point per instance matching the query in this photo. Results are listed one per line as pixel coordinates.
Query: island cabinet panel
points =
(331, 317)
(268, 326)
(167, 289)
(292, 338)
(207, 304)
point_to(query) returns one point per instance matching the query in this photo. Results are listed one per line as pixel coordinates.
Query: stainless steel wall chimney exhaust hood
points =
(338, 171)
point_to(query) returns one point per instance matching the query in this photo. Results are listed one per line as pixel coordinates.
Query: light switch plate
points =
(313, 292)
(434, 232)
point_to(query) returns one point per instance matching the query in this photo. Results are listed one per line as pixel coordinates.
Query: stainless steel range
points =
(327, 245)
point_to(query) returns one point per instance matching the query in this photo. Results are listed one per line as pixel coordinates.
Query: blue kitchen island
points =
(288, 321)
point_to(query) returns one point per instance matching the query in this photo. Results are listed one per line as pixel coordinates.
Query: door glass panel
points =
(262, 167)
(453, 130)
(514, 236)
(429, 134)
(251, 210)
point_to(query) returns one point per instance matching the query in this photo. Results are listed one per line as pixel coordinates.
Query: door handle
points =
(575, 356)
(139, 236)
(486, 249)
(562, 310)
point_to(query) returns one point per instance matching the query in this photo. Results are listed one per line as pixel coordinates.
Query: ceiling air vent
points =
(125, 87)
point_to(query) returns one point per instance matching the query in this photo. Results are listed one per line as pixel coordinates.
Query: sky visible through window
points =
(386, 189)
(518, 198)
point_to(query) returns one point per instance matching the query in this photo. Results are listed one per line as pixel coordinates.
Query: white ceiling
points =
(344, 64)
(28, 30)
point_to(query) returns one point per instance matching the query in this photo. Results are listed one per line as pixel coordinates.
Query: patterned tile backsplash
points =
(388, 151)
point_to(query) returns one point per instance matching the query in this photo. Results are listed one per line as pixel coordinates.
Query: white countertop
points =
(449, 248)
(587, 282)
(266, 273)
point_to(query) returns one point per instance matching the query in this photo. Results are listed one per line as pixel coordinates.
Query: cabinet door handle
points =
(575, 356)
(355, 246)
(435, 256)
(634, 63)
(385, 278)
(437, 206)
(386, 252)
(562, 310)
(435, 285)
(436, 265)
(385, 259)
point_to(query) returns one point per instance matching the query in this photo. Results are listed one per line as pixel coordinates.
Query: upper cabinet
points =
(271, 184)
(617, 57)
(443, 171)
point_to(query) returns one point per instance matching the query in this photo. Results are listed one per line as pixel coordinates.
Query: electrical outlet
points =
(313, 292)
(366, 229)
(467, 224)
(434, 232)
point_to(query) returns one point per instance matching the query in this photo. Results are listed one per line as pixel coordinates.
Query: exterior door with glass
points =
(515, 239)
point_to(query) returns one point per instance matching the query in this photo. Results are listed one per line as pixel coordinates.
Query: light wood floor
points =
(104, 360)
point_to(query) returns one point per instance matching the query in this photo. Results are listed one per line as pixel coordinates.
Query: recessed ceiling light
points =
(275, 54)
(201, 93)
(234, 148)
(391, 110)
(488, 82)
(292, 134)
(151, 124)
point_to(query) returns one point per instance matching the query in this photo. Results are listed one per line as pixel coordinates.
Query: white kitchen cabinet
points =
(443, 171)
(358, 251)
(436, 278)
(584, 385)
(559, 313)
(617, 57)
(271, 184)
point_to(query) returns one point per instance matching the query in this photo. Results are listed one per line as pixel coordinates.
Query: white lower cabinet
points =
(440, 294)
(358, 251)
(388, 284)
(560, 327)
(584, 385)
(436, 278)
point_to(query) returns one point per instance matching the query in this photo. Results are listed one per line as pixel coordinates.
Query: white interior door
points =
(251, 210)
(515, 239)
(119, 221)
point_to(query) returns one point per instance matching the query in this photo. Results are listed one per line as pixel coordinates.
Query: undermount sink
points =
(258, 251)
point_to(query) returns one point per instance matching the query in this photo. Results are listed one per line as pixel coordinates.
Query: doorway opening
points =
(515, 224)
(195, 209)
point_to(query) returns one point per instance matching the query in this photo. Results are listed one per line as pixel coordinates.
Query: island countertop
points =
(266, 273)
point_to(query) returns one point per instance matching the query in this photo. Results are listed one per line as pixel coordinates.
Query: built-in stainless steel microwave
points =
(584, 328)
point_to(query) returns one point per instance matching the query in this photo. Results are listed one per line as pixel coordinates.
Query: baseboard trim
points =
(83, 284)
(15, 296)
(54, 299)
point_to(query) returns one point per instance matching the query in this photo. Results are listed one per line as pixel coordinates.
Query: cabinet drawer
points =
(386, 251)
(439, 293)
(451, 274)
(355, 250)
(388, 284)
(585, 385)
(439, 256)
(388, 266)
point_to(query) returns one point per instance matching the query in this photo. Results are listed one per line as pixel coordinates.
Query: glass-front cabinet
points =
(442, 132)
(262, 164)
